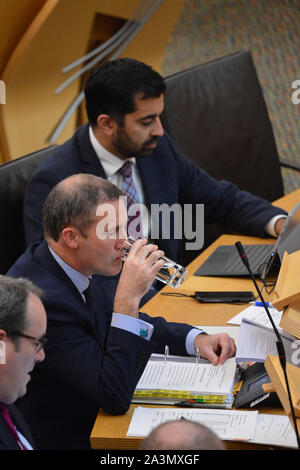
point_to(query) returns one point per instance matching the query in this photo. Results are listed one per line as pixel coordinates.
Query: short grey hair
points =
(73, 201)
(13, 303)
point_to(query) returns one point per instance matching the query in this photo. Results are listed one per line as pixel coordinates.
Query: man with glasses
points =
(22, 338)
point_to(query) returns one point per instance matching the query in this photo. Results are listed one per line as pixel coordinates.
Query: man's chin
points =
(113, 269)
(146, 151)
(144, 154)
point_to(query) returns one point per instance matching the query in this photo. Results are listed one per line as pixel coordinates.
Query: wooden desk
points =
(109, 432)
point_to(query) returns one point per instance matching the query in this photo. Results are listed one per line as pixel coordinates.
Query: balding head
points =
(73, 201)
(182, 435)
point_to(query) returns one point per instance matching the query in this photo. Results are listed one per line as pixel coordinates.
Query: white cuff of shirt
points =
(189, 340)
(133, 325)
(270, 227)
(144, 329)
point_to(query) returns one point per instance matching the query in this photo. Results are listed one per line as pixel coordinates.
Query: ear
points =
(106, 124)
(69, 235)
(3, 335)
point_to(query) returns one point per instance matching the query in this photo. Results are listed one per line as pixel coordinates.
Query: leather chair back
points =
(216, 114)
(14, 176)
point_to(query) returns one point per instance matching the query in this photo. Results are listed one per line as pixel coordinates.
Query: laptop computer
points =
(225, 260)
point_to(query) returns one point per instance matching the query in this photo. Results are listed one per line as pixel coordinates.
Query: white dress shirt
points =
(111, 165)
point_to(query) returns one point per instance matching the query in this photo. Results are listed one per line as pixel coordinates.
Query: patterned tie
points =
(6, 417)
(133, 229)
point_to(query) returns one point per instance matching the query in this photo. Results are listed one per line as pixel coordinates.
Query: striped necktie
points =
(134, 225)
(6, 417)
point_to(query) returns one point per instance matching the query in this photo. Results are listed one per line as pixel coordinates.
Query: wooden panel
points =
(15, 17)
(32, 110)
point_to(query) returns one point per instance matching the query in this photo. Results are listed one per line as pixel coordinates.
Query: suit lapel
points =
(20, 424)
(43, 255)
(46, 260)
(100, 318)
(87, 154)
(7, 438)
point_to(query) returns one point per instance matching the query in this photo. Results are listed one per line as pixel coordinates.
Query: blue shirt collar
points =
(79, 280)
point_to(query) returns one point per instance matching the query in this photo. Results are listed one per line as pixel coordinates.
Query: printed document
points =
(274, 430)
(194, 377)
(257, 341)
(267, 429)
(227, 424)
(258, 315)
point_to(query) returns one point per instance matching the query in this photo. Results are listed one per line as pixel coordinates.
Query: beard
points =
(127, 148)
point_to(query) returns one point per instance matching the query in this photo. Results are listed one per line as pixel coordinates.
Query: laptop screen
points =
(289, 238)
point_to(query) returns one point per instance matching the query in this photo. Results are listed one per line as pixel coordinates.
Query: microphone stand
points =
(279, 342)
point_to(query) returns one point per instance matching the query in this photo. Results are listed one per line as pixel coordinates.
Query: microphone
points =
(244, 259)
(279, 342)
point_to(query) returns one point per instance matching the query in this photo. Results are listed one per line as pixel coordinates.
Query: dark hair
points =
(112, 87)
(13, 303)
(73, 201)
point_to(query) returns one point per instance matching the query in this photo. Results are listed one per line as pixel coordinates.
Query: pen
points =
(258, 303)
(187, 404)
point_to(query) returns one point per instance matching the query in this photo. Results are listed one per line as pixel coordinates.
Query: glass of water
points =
(171, 273)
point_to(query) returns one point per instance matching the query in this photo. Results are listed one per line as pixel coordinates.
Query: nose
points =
(157, 129)
(40, 355)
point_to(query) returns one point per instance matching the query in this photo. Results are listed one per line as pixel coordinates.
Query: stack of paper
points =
(249, 426)
(170, 379)
(257, 315)
(257, 341)
(227, 424)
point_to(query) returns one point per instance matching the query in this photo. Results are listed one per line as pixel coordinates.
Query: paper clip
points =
(166, 352)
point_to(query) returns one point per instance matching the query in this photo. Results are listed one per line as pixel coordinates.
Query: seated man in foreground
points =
(97, 348)
(22, 339)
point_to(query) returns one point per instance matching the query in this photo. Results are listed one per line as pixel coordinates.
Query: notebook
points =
(225, 260)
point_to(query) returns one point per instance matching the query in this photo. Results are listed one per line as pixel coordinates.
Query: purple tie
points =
(6, 417)
(134, 229)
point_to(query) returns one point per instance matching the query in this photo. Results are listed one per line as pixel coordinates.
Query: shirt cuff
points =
(189, 341)
(133, 325)
(270, 227)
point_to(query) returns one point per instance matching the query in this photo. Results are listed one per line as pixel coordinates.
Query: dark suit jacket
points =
(89, 364)
(7, 440)
(167, 176)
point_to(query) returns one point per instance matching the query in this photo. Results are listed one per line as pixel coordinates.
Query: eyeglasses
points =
(39, 343)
